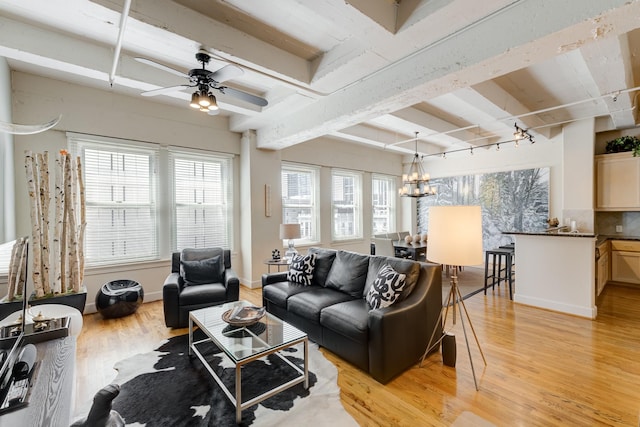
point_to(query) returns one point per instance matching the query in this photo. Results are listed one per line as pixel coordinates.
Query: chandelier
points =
(415, 183)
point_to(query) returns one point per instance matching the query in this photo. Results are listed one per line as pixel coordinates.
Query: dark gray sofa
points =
(333, 312)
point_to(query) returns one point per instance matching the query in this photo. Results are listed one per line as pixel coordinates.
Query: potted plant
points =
(624, 143)
(55, 246)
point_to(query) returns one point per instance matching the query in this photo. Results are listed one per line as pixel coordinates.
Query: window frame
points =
(226, 164)
(357, 205)
(391, 205)
(78, 144)
(314, 171)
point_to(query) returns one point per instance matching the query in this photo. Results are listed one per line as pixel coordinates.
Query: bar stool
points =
(496, 275)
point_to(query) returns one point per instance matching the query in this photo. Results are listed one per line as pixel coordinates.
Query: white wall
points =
(102, 112)
(578, 174)
(485, 160)
(330, 153)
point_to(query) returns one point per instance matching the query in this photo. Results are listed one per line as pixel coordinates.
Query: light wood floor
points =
(543, 368)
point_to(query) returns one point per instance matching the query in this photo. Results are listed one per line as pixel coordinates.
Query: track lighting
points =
(521, 134)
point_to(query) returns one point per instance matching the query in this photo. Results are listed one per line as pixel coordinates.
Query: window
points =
(120, 190)
(383, 200)
(346, 202)
(299, 200)
(123, 207)
(202, 189)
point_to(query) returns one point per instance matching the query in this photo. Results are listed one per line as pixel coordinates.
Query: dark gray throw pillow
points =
(209, 270)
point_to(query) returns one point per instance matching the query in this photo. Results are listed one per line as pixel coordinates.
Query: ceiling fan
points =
(204, 81)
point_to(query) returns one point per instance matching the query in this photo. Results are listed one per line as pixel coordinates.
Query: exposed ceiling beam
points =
(430, 127)
(474, 55)
(499, 103)
(600, 58)
(219, 38)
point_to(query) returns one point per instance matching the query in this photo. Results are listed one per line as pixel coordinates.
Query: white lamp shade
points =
(289, 231)
(455, 235)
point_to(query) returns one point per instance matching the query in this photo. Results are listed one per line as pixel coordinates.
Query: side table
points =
(280, 263)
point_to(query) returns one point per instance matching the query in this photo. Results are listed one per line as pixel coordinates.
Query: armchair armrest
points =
(269, 278)
(171, 299)
(232, 283)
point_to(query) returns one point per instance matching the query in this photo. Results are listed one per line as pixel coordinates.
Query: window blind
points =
(299, 205)
(121, 210)
(383, 200)
(202, 192)
(346, 201)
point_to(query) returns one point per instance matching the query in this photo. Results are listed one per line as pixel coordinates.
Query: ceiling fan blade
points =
(244, 96)
(225, 73)
(161, 67)
(164, 90)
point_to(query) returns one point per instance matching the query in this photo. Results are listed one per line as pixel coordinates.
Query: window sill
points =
(347, 241)
(131, 266)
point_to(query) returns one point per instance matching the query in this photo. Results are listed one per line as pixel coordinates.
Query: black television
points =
(12, 350)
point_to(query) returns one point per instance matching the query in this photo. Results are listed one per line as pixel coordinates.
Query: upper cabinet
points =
(617, 182)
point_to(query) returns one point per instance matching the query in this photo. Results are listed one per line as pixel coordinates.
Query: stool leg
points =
(486, 270)
(493, 277)
(510, 277)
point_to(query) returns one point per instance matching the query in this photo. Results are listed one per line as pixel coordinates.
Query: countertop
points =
(604, 237)
(600, 238)
(554, 231)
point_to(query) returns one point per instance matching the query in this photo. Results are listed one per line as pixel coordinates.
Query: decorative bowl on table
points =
(243, 316)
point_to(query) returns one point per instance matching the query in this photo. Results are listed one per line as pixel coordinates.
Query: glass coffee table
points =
(243, 345)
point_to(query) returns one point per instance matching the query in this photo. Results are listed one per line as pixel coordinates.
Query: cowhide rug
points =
(166, 387)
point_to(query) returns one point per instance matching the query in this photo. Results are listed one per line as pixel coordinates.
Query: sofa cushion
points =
(308, 305)
(386, 288)
(349, 318)
(324, 260)
(200, 272)
(193, 295)
(405, 266)
(279, 292)
(301, 269)
(348, 273)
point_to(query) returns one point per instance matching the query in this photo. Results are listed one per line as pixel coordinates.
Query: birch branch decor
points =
(57, 253)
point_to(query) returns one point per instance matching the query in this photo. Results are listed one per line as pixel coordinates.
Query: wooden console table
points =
(52, 390)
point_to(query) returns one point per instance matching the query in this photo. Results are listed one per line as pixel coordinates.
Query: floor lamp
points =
(455, 239)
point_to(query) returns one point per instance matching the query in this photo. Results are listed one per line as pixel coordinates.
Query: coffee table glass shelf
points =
(243, 345)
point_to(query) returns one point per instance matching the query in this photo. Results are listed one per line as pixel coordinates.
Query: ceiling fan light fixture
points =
(203, 100)
(213, 103)
(194, 100)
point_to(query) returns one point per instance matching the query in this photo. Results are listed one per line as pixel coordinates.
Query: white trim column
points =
(7, 184)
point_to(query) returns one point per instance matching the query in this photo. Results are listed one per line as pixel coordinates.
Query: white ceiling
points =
(459, 72)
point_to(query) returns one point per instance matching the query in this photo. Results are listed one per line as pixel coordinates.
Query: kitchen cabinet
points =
(625, 261)
(603, 270)
(617, 182)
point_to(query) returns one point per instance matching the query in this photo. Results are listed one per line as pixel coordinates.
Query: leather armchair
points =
(179, 296)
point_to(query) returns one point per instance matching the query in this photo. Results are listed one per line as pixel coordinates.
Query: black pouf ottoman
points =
(119, 298)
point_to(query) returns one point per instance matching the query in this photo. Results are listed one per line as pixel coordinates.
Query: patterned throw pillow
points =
(301, 269)
(387, 287)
